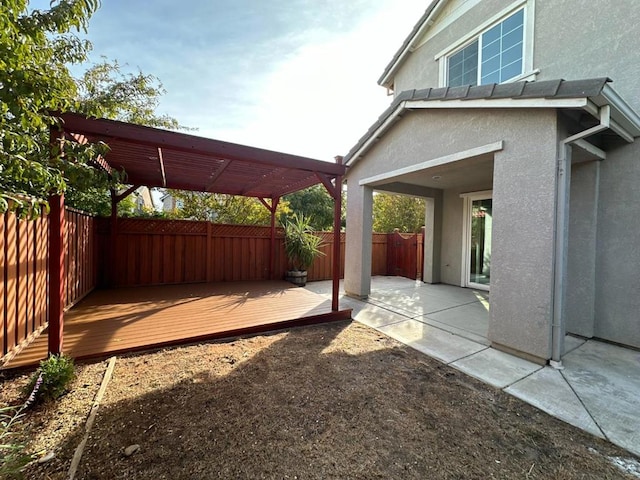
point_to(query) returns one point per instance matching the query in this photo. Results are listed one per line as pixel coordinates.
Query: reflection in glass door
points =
(478, 241)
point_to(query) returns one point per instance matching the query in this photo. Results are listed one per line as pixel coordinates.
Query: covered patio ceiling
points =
(160, 158)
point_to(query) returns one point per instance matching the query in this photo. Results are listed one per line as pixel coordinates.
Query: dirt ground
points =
(332, 401)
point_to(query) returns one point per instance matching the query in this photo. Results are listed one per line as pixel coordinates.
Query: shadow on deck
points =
(123, 320)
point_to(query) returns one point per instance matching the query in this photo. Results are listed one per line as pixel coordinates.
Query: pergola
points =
(154, 157)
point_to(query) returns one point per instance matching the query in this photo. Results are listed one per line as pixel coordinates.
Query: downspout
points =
(563, 184)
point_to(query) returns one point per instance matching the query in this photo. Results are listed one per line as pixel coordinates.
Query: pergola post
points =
(272, 244)
(113, 239)
(57, 276)
(337, 213)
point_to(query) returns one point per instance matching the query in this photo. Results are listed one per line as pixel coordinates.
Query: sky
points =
(297, 76)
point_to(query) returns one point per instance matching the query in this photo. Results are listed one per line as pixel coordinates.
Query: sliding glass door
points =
(477, 254)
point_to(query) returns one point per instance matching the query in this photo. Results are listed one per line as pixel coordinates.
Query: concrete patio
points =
(598, 390)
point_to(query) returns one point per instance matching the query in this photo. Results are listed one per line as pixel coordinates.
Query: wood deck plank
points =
(118, 320)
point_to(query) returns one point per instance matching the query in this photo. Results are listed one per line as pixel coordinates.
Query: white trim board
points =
(454, 157)
(499, 103)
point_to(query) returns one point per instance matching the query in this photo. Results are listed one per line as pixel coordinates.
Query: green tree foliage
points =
(35, 49)
(106, 91)
(315, 204)
(397, 211)
(223, 208)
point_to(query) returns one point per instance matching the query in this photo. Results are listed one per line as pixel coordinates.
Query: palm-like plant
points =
(300, 244)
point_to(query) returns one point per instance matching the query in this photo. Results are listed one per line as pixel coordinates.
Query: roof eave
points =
(621, 111)
(386, 79)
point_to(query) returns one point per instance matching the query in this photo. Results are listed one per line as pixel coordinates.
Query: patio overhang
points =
(160, 158)
(583, 99)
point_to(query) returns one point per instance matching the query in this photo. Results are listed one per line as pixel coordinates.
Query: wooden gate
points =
(404, 255)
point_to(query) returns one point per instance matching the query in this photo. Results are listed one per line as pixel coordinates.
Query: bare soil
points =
(330, 401)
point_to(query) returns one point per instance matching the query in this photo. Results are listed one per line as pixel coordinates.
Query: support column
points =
(357, 272)
(432, 239)
(113, 239)
(337, 213)
(272, 243)
(57, 278)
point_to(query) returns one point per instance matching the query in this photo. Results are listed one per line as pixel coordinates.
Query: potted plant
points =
(301, 247)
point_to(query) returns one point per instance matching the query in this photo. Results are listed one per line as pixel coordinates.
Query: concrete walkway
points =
(598, 390)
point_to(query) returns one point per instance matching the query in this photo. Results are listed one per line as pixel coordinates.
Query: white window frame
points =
(527, 48)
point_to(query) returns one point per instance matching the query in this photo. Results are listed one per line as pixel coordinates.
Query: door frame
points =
(465, 272)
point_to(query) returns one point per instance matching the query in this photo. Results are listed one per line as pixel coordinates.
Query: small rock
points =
(131, 449)
(47, 458)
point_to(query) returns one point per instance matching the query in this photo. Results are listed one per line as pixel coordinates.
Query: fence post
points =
(56, 273)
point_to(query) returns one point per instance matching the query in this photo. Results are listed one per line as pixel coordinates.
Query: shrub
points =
(12, 456)
(56, 373)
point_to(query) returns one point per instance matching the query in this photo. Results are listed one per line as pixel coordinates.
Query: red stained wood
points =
(120, 320)
(11, 281)
(56, 273)
(3, 293)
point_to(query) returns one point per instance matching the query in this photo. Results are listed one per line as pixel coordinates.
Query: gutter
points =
(563, 183)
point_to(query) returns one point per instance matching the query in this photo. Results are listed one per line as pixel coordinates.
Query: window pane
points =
(510, 71)
(463, 66)
(492, 34)
(502, 50)
(490, 78)
(491, 50)
(512, 55)
(471, 77)
(512, 38)
(514, 21)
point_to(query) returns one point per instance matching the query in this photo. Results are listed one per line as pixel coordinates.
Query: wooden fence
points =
(157, 252)
(24, 272)
(146, 252)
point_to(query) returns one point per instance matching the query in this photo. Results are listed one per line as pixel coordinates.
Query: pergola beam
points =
(138, 134)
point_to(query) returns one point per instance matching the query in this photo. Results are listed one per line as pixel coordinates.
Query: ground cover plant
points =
(332, 401)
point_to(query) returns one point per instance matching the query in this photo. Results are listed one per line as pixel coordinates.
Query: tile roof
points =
(548, 89)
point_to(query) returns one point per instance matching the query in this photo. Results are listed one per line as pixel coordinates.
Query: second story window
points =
(494, 56)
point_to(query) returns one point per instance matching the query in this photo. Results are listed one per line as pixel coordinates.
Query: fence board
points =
(3, 281)
(42, 252)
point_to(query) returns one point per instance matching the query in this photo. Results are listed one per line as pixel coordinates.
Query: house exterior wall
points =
(420, 69)
(523, 210)
(577, 39)
(581, 262)
(617, 302)
(573, 39)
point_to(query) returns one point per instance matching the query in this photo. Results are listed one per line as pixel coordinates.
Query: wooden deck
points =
(123, 320)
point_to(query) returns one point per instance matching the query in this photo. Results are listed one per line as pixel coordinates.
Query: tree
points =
(397, 211)
(35, 49)
(223, 208)
(106, 91)
(315, 204)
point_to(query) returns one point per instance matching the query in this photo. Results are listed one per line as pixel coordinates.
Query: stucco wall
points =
(523, 209)
(617, 308)
(581, 261)
(420, 69)
(587, 39)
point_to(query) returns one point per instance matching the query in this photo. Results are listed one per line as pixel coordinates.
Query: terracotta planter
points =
(297, 277)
